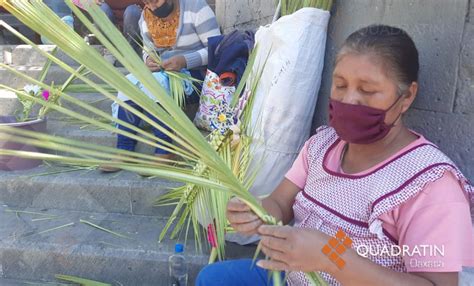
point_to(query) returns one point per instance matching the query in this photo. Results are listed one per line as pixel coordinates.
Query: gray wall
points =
(243, 14)
(444, 34)
(212, 3)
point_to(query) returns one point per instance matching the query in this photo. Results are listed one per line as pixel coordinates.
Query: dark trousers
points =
(131, 29)
(126, 143)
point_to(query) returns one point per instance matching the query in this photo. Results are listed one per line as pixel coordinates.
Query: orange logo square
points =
(336, 246)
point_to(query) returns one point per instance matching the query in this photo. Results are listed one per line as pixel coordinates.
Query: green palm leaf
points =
(291, 6)
(80, 281)
(37, 16)
(221, 176)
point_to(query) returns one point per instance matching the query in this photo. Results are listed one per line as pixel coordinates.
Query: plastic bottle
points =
(178, 267)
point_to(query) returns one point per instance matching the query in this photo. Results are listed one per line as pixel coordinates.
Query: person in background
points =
(178, 30)
(63, 11)
(123, 13)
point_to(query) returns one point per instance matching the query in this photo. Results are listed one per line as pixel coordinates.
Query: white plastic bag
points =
(287, 94)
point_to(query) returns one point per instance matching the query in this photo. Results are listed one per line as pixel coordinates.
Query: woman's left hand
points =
(293, 249)
(176, 63)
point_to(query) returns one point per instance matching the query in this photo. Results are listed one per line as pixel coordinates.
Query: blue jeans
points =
(127, 143)
(234, 273)
(59, 7)
(131, 29)
(198, 74)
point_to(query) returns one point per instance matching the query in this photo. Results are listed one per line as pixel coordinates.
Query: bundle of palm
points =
(202, 206)
(290, 6)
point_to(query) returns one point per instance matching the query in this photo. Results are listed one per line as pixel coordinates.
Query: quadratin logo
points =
(336, 246)
(339, 244)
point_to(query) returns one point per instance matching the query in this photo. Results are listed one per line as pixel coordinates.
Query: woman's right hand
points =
(242, 218)
(152, 65)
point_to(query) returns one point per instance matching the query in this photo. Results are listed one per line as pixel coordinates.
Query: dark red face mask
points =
(359, 124)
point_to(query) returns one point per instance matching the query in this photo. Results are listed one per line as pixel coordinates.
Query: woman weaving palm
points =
(368, 176)
(178, 31)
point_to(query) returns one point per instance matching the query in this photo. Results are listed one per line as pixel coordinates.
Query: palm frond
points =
(291, 6)
(80, 281)
(103, 228)
(56, 228)
(221, 178)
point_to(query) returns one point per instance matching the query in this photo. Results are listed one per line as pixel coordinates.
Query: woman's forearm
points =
(272, 207)
(280, 203)
(279, 212)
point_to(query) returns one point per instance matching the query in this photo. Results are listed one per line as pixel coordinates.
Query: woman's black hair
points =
(393, 45)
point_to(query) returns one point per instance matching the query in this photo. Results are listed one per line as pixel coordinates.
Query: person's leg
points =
(79, 27)
(108, 11)
(159, 134)
(131, 29)
(233, 273)
(125, 142)
(198, 74)
(59, 7)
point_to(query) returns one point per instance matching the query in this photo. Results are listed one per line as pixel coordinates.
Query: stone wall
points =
(444, 34)
(243, 14)
(212, 3)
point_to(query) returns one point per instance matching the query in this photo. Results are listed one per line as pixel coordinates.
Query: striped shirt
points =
(197, 23)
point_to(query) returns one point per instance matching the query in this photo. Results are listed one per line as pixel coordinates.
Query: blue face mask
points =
(164, 10)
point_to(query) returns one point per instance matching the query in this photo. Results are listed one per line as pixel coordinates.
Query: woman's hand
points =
(241, 217)
(293, 249)
(152, 65)
(176, 63)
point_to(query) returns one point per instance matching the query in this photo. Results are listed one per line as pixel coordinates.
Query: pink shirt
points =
(78, 3)
(439, 215)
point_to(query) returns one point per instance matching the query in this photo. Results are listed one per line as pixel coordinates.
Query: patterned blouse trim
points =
(334, 212)
(409, 181)
(348, 176)
(387, 234)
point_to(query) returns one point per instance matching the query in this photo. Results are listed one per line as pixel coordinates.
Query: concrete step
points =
(26, 55)
(90, 134)
(8, 38)
(55, 74)
(104, 104)
(9, 104)
(68, 128)
(17, 282)
(67, 188)
(61, 125)
(93, 99)
(87, 252)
